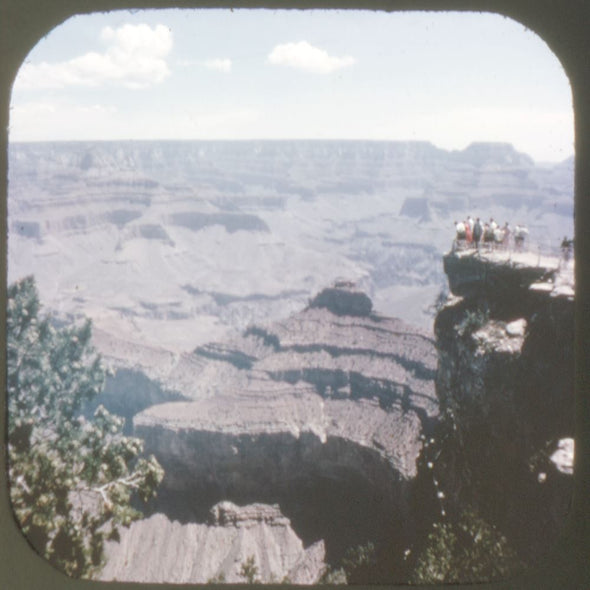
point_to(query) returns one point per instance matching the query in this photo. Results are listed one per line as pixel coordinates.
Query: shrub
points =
(71, 480)
(249, 571)
(470, 550)
(472, 321)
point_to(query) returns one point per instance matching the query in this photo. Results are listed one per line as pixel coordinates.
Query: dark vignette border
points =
(564, 25)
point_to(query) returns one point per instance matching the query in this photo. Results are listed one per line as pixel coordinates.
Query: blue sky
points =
(448, 78)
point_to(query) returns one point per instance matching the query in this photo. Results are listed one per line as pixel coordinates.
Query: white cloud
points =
(186, 63)
(221, 65)
(304, 56)
(135, 57)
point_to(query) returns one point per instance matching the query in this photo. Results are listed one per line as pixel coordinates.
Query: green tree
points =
(470, 550)
(71, 479)
(359, 564)
(249, 571)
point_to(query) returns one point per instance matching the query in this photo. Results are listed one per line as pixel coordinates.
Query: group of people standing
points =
(470, 233)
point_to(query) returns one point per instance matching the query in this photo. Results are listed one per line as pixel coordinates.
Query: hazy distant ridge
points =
(139, 234)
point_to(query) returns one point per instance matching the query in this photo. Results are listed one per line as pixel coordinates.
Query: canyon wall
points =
(505, 383)
(322, 414)
(361, 429)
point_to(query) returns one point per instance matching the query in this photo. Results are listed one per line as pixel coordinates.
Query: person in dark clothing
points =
(520, 233)
(567, 247)
(477, 232)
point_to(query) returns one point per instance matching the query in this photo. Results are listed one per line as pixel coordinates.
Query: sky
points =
(447, 78)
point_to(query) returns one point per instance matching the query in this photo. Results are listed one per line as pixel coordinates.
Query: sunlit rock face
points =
(158, 550)
(506, 379)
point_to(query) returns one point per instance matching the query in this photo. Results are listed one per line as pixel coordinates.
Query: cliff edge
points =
(505, 382)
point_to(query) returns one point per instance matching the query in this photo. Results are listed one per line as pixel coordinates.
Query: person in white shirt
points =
(460, 238)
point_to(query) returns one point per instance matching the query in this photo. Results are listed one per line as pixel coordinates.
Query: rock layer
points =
(159, 550)
(322, 413)
(176, 243)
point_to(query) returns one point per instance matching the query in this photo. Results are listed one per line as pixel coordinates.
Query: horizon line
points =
(293, 140)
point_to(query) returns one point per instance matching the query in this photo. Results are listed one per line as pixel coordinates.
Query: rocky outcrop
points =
(505, 384)
(262, 445)
(500, 274)
(323, 413)
(158, 550)
(343, 299)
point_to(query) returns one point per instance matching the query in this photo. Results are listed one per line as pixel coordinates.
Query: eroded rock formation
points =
(155, 241)
(159, 550)
(323, 414)
(327, 424)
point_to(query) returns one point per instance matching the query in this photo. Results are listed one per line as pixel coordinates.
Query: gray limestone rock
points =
(326, 419)
(159, 550)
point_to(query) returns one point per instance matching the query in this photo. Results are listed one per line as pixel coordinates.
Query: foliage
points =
(218, 579)
(470, 550)
(333, 576)
(472, 321)
(359, 562)
(358, 566)
(71, 480)
(249, 571)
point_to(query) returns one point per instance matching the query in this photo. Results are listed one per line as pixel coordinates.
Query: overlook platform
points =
(472, 272)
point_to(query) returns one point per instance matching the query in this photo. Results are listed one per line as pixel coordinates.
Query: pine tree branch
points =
(131, 481)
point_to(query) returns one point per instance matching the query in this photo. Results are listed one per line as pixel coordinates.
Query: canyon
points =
(286, 331)
(172, 244)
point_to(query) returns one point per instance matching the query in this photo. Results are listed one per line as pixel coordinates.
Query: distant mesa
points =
(343, 299)
(495, 153)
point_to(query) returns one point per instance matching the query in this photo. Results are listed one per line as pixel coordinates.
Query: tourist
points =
(520, 232)
(477, 232)
(506, 239)
(498, 237)
(567, 247)
(460, 229)
(488, 237)
(468, 233)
